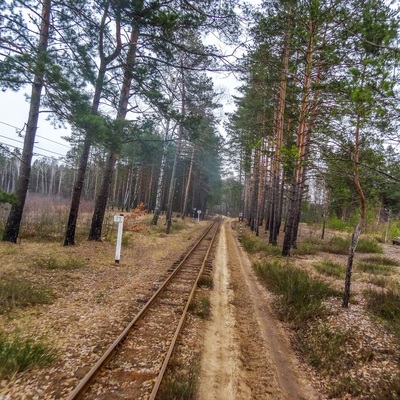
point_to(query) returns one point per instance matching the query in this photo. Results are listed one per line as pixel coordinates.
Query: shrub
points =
(366, 245)
(306, 247)
(337, 224)
(394, 230)
(251, 243)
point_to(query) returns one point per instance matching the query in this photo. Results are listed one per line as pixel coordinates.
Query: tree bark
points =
(254, 195)
(160, 183)
(13, 224)
(80, 177)
(356, 235)
(276, 197)
(187, 185)
(101, 202)
(177, 154)
(303, 136)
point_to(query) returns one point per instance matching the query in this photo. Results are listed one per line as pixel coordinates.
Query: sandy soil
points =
(246, 353)
(221, 370)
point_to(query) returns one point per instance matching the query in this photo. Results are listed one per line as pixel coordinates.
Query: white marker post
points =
(198, 216)
(120, 220)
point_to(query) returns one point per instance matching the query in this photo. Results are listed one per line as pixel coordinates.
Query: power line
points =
(14, 140)
(50, 140)
(36, 147)
(35, 154)
(42, 137)
(12, 126)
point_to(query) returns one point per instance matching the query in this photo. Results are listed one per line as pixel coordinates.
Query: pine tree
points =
(40, 59)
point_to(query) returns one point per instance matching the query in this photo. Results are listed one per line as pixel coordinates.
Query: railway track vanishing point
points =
(134, 365)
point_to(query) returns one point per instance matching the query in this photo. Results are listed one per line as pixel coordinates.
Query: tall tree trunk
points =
(356, 235)
(128, 189)
(136, 191)
(101, 202)
(80, 177)
(255, 189)
(171, 191)
(262, 186)
(114, 193)
(13, 224)
(275, 222)
(160, 183)
(60, 183)
(184, 210)
(148, 199)
(303, 136)
(172, 185)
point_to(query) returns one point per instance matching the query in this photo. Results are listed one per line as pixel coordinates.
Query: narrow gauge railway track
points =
(133, 366)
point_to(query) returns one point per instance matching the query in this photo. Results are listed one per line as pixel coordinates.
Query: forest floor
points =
(246, 351)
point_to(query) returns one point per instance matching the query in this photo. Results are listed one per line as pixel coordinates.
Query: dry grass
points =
(45, 218)
(353, 355)
(90, 298)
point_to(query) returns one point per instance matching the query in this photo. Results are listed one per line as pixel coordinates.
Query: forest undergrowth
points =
(38, 271)
(354, 352)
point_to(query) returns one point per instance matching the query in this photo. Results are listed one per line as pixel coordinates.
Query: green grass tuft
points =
(253, 244)
(301, 295)
(337, 245)
(182, 384)
(17, 355)
(21, 293)
(380, 281)
(381, 260)
(375, 269)
(385, 305)
(330, 268)
(325, 349)
(181, 388)
(366, 245)
(53, 263)
(205, 281)
(340, 245)
(200, 306)
(306, 247)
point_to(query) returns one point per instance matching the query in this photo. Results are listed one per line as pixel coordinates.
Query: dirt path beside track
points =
(246, 353)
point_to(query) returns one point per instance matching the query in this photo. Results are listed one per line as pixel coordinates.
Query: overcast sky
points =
(49, 141)
(13, 115)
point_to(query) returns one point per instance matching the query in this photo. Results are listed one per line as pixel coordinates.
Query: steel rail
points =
(82, 386)
(181, 322)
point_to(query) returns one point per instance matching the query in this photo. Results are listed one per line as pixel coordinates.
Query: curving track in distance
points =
(133, 366)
